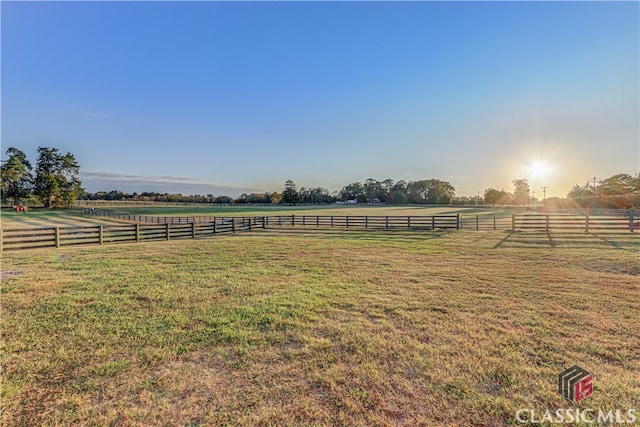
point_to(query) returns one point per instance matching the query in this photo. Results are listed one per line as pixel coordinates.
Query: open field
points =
(325, 328)
(332, 209)
(37, 217)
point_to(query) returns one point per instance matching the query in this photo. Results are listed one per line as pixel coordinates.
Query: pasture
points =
(306, 327)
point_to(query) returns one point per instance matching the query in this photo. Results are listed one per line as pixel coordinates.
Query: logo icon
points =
(575, 383)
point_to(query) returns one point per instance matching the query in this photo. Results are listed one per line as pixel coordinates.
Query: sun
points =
(539, 170)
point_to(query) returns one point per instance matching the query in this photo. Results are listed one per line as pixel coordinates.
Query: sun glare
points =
(539, 170)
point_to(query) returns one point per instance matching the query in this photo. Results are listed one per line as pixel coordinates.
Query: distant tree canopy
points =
(55, 183)
(521, 192)
(290, 193)
(16, 175)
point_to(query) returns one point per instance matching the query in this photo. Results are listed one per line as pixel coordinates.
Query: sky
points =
(227, 98)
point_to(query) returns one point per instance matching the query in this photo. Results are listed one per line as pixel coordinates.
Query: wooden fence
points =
(13, 239)
(367, 222)
(31, 238)
(574, 222)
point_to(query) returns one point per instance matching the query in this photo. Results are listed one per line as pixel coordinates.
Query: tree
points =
(521, 192)
(495, 197)
(432, 191)
(290, 194)
(56, 182)
(16, 175)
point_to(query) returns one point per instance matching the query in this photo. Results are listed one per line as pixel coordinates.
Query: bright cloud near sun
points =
(539, 170)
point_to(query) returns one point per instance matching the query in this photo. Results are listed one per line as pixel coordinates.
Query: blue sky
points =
(226, 98)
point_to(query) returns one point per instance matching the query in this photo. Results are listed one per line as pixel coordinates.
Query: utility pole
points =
(544, 192)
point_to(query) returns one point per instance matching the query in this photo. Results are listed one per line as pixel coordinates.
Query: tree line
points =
(54, 182)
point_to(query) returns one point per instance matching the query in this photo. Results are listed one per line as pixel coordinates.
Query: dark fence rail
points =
(56, 237)
(366, 222)
(574, 222)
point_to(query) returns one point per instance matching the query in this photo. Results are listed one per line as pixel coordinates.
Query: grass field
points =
(36, 218)
(319, 328)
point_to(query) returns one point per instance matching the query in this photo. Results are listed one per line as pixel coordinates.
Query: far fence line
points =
(573, 222)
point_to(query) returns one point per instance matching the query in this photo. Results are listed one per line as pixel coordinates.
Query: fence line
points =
(168, 228)
(574, 222)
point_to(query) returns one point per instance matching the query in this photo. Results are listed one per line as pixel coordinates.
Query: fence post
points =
(433, 222)
(265, 222)
(1, 241)
(304, 222)
(586, 223)
(249, 224)
(317, 220)
(494, 221)
(100, 234)
(366, 222)
(331, 221)
(193, 230)
(513, 222)
(347, 221)
(56, 236)
(280, 220)
(631, 226)
(386, 222)
(166, 226)
(233, 224)
(137, 232)
(293, 220)
(547, 222)
(409, 222)
(214, 225)
(477, 222)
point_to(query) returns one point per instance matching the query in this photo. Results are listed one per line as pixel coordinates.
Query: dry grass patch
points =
(322, 328)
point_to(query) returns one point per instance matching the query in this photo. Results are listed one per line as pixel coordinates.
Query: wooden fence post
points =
(331, 221)
(547, 222)
(494, 221)
(631, 226)
(586, 223)
(347, 221)
(249, 224)
(214, 225)
(193, 230)
(513, 222)
(477, 222)
(56, 236)
(304, 223)
(386, 222)
(366, 222)
(233, 224)
(293, 220)
(433, 222)
(409, 222)
(317, 220)
(100, 234)
(168, 230)
(1, 241)
(137, 232)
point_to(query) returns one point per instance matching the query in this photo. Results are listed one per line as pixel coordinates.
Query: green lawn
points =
(319, 328)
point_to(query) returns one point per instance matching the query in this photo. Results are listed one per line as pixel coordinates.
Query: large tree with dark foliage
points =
(16, 175)
(56, 182)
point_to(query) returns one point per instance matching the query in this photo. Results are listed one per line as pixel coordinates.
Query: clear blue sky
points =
(225, 98)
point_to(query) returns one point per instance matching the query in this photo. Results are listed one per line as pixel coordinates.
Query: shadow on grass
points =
(378, 235)
(518, 239)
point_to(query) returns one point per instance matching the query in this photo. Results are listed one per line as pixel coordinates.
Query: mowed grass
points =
(330, 209)
(319, 328)
(39, 218)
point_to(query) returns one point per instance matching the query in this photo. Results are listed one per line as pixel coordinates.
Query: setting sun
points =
(539, 170)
